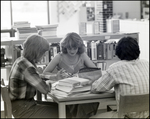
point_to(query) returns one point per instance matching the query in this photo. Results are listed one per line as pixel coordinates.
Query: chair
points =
(133, 103)
(127, 104)
(7, 102)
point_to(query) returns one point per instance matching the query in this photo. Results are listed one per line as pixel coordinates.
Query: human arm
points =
(52, 64)
(104, 83)
(87, 61)
(33, 78)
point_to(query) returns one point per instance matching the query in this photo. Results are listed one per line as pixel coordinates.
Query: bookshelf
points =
(11, 52)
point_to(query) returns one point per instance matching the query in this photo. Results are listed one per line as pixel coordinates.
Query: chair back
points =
(133, 103)
(7, 102)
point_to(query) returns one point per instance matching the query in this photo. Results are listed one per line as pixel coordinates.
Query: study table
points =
(80, 98)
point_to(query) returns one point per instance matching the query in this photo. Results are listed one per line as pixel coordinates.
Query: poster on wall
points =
(90, 13)
(145, 9)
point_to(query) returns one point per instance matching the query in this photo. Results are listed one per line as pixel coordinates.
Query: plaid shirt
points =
(127, 77)
(24, 80)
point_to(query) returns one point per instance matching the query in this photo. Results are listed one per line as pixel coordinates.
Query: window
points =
(35, 12)
(5, 15)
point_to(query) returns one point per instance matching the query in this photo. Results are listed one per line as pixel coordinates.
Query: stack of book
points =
(47, 30)
(24, 32)
(21, 24)
(69, 86)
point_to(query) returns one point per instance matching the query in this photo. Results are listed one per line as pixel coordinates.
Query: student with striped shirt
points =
(130, 75)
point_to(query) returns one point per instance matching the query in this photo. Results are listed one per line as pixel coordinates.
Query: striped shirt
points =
(127, 77)
(24, 80)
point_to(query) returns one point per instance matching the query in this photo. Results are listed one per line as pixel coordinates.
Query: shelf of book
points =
(12, 53)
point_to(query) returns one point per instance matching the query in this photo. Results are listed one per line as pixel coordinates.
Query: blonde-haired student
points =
(69, 61)
(24, 80)
(72, 57)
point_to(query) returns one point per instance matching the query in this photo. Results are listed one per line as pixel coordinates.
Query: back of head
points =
(34, 47)
(72, 40)
(127, 49)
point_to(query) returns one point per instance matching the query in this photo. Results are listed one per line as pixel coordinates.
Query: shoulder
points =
(117, 65)
(57, 57)
(24, 63)
(83, 55)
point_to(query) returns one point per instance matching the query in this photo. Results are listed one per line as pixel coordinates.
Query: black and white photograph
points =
(74, 59)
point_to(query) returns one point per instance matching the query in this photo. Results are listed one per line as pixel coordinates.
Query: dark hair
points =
(127, 49)
(72, 40)
(34, 47)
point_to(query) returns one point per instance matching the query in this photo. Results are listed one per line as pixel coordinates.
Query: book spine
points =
(89, 49)
(104, 50)
(93, 51)
(109, 54)
(100, 54)
(51, 52)
(114, 49)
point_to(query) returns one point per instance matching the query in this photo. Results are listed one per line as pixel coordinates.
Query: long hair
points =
(72, 40)
(127, 49)
(34, 47)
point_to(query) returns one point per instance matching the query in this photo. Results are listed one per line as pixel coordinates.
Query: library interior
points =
(101, 25)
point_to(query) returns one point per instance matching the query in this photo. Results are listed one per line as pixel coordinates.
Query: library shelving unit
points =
(10, 51)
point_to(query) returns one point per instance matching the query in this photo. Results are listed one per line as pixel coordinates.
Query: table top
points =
(83, 96)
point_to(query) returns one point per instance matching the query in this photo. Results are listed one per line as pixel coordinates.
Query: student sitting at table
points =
(128, 76)
(24, 80)
(69, 62)
(72, 57)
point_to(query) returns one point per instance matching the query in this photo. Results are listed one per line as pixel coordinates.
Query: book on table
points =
(74, 81)
(74, 91)
(70, 86)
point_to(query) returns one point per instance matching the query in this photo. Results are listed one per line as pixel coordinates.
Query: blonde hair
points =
(72, 40)
(34, 47)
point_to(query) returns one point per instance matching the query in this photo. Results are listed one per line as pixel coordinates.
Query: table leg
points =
(62, 110)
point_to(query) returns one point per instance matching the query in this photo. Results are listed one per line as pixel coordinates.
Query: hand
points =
(48, 82)
(42, 76)
(62, 74)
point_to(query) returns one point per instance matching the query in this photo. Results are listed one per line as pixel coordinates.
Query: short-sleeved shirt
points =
(24, 80)
(127, 77)
(71, 68)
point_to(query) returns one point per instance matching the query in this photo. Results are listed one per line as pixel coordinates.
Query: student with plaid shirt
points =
(24, 80)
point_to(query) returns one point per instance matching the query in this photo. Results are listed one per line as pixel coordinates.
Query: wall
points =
(132, 7)
(142, 27)
(71, 24)
(65, 24)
